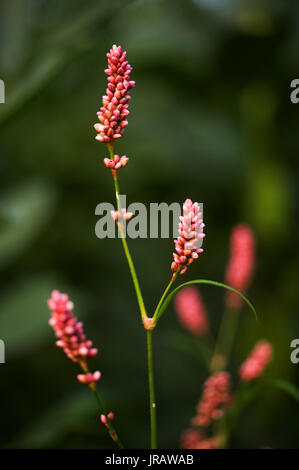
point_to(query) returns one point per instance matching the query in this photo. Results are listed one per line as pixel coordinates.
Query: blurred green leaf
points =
(66, 416)
(288, 387)
(24, 315)
(269, 201)
(24, 210)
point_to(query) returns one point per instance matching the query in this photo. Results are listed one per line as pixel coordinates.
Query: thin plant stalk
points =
(152, 401)
(164, 295)
(110, 427)
(225, 340)
(152, 398)
(125, 245)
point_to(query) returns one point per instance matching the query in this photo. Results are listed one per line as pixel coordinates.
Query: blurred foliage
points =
(212, 119)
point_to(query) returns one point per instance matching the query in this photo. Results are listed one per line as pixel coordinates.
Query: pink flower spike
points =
(114, 111)
(68, 329)
(255, 364)
(191, 311)
(241, 264)
(190, 233)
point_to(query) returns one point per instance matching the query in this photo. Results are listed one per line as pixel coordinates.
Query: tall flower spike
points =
(241, 264)
(191, 311)
(216, 395)
(70, 334)
(190, 233)
(255, 364)
(114, 112)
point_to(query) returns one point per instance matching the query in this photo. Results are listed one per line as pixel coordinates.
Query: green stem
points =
(110, 427)
(163, 296)
(152, 400)
(225, 340)
(125, 245)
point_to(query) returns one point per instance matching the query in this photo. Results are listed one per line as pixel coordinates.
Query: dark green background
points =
(211, 119)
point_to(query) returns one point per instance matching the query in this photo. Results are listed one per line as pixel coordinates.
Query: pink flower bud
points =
(123, 215)
(104, 419)
(117, 162)
(89, 378)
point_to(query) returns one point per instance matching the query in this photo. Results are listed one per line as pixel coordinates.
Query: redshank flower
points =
(190, 233)
(241, 264)
(255, 364)
(191, 311)
(114, 112)
(216, 396)
(70, 334)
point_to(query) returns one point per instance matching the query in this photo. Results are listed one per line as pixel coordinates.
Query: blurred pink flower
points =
(190, 232)
(89, 378)
(216, 395)
(191, 311)
(255, 364)
(193, 439)
(114, 112)
(241, 264)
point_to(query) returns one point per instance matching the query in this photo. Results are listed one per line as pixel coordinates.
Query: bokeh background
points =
(211, 119)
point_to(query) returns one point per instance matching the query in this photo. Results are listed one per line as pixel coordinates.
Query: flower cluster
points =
(190, 233)
(114, 112)
(70, 334)
(241, 263)
(216, 396)
(193, 439)
(255, 364)
(117, 162)
(191, 311)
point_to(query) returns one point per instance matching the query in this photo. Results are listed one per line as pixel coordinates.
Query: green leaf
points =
(67, 415)
(288, 387)
(24, 210)
(24, 316)
(170, 296)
